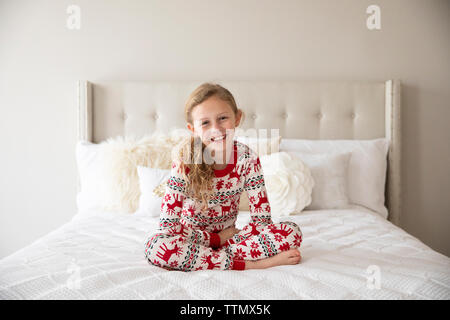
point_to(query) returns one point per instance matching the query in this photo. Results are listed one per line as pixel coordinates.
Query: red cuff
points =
(238, 265)
(214, 240)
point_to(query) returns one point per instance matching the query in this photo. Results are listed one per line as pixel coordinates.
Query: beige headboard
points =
(299, 109)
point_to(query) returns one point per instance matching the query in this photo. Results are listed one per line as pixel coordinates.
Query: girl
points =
(200, 205)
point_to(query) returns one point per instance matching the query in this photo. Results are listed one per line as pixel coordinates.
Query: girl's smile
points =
(219, 138)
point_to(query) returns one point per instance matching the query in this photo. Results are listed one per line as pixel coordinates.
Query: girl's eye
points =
(221, 118)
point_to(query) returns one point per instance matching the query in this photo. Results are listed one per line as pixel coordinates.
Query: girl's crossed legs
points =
(255, 246)
(268, 246)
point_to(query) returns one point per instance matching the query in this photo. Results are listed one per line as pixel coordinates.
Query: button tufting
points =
(124, 116)
(284, 115)
(155, 116)
(320, 115)
(253, 116)
(353, 116)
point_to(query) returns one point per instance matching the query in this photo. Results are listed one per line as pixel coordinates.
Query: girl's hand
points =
(227, 233)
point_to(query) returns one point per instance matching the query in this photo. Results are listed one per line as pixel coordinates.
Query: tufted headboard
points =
(299, 109)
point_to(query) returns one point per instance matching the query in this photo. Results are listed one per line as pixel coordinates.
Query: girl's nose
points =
(216, 127)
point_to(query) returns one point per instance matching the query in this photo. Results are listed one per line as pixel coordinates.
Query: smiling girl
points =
(201, 201)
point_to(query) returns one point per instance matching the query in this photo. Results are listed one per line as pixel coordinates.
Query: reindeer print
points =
(282, 231)
(165, 254)
(236, 175)
(253, 230)
(178, 201)
(226, 209)
(207, 260)
(262, 199)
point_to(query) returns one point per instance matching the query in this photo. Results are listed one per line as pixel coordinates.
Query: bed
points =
(351, 253)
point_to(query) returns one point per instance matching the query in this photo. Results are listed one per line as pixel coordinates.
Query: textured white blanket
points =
(347, 254)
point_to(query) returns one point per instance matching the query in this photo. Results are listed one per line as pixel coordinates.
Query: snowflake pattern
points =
(297, 240)
(212, 212)
(278, 238)
(239, 254)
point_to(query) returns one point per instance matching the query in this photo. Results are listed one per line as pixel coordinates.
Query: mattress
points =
(347, 254)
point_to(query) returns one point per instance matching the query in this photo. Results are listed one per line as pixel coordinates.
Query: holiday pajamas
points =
(188, 239)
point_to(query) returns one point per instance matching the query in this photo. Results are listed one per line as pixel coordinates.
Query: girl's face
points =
(214, 121)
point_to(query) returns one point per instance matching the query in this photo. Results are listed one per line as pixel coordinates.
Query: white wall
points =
(40, 60)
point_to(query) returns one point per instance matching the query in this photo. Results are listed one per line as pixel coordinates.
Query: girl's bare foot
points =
(291, 256)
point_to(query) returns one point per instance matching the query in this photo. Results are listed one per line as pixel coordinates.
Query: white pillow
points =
(330, 172)
(149, 179)
(288, 182)
(367, 167)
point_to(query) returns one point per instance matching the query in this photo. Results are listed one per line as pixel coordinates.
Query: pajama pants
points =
(253, 242)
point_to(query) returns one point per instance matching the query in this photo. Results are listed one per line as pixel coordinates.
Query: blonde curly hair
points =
(200, 175)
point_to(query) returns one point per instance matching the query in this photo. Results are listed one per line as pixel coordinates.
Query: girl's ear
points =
(238, 118)
(190, 127)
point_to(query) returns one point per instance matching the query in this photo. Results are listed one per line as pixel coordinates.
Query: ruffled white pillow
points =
(289, 183)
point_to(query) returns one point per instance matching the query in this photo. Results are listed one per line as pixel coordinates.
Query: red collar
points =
(230, 166)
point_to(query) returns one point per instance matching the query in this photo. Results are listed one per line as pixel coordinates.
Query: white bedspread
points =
(101, 256)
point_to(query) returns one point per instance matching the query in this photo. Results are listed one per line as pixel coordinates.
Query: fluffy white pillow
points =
(108, 170)
(288, 182)
(367, 167)
(330, 173)
(149, 179)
